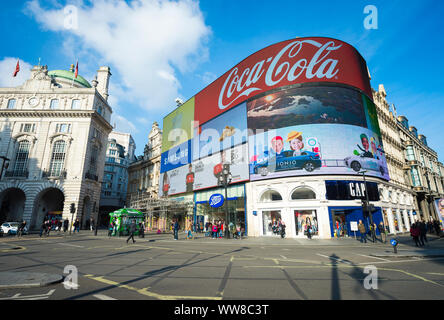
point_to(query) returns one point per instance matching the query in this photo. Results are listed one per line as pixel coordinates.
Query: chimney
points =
(103, 75)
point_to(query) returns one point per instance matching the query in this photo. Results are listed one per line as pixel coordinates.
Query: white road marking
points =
(71, 245)
(363, 255)
(284, 257)
(103, 297)
(333, 258)
(19, 296)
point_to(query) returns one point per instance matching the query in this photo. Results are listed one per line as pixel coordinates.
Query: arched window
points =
(271, 195)
(303, 193)
(57, 158)
(21, 158)
(54, 104)
(11, 103)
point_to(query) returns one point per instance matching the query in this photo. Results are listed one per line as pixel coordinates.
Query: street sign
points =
(353, 225)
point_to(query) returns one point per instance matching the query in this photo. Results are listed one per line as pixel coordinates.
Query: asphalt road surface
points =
(159, 268)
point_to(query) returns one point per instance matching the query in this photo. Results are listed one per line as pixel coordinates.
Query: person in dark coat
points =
(422, 232)
(65, 225)
(132, 229)
(415, 232)
(176, 230)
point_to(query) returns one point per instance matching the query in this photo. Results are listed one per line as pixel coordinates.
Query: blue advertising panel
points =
(176, 157)
(221, 133)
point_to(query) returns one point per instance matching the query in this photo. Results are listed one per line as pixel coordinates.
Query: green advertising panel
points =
(178, 126)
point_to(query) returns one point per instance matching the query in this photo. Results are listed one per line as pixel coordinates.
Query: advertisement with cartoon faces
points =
(338, 133)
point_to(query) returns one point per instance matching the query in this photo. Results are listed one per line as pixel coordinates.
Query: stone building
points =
(416, 175)
(53, 135)
(119, 155)
(144, 172)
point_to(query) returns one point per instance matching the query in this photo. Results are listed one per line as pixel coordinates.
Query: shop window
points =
(306, 220)
(271, 222)
(271, 195)
(303, 193)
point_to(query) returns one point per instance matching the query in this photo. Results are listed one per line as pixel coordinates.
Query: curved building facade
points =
(294, 130)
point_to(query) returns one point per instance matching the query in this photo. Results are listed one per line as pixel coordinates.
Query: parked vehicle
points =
(11, 228)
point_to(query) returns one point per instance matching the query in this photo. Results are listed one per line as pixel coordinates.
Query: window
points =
(21, 158)
(75, 104)
(93, 160)
(54, 104)
(27, 127)
(112, 152)
(63, 128)
(57, 158)
(99, 109)
(271, 195)
(410, 153)
(303, 193)
(415, 177)
(11, 103)
(108, 176)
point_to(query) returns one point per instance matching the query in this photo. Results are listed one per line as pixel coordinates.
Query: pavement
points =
(434, 248)
(10, 280)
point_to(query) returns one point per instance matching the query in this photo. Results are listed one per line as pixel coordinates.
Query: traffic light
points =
(73, 208)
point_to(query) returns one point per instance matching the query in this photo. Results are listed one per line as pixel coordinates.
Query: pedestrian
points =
(176, 230)
(110, 229)
(77, 225)
(21, 229)
(42, 228)
(189, 233)
(422, 232)
(362, 231)
(308, 231)
(437, 226)
(65, 225)
(214, 230)
(131, 230)
(92, 224)
(48, 227)
(232, 229)
(282, 227)
(382, 232)
(141, 230)
(373, 231)
(414, 232)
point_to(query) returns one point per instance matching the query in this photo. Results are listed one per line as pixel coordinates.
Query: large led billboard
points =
(314, 130)
(299, 107)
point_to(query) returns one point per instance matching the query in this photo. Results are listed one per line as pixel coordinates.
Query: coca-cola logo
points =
(287, 65)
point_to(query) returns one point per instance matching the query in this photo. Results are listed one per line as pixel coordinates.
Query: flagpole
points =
(73, 75)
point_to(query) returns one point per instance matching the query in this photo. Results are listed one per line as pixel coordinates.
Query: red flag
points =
(17, 68)
(77, 70)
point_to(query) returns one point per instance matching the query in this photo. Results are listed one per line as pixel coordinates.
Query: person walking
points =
(422, 232)
(42, 228)
(362, 231)
(131, 230)
(65, 225)
(21, 229)
(382, 232)
(77, 225)
(176, 230)
(141, 230)
(110, 229)
(414, 232)
(373, 232)
(214, 230)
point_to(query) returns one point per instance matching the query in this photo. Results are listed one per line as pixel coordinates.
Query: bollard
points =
(394, 243)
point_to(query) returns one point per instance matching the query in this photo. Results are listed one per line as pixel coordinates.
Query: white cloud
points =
(147, 41)
(122, 124)
(7, 68)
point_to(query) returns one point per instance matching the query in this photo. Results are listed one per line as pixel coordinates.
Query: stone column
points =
(390, 221)
(406, 219)
(400, 224)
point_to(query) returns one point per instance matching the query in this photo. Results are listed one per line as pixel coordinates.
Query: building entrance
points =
(341, 218)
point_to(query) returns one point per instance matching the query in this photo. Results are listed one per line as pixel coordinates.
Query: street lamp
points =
(225, 179)
(366, 206)
(5, 165)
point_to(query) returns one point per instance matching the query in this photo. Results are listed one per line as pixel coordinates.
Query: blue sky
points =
(163, 50)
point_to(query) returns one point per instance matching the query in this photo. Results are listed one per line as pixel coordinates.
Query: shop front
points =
(206, 212)
(344, 221)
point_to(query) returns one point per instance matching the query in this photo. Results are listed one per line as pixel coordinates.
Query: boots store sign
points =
(289, 62)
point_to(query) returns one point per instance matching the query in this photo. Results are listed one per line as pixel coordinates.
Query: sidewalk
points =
(9, 280)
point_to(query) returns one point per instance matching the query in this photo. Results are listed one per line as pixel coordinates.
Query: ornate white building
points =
(119, 155)
(53, 137)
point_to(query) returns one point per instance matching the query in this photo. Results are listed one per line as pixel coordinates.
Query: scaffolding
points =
(160, 212)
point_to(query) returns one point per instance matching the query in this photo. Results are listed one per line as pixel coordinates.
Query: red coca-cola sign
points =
(289, 62)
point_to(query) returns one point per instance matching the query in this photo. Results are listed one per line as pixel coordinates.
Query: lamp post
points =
(5, 165)
(366, 207)
(225, 180)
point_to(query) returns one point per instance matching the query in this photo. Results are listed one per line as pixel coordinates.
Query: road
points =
(159, 268)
